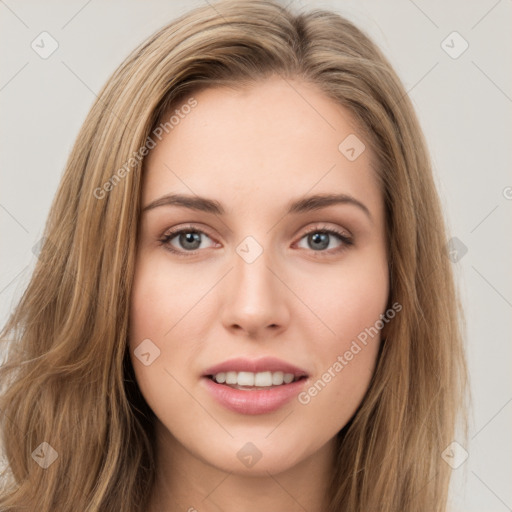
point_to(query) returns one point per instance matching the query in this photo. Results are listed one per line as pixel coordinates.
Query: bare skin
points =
(304, 299)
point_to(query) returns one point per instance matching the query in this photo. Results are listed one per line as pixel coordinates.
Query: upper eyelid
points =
(178, 230)
(346, 240)
(191, 227)
(317, 227)
(171, 233)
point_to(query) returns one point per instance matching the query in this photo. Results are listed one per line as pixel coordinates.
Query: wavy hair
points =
(67, 379)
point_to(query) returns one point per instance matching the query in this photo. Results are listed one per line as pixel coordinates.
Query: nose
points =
(257, 299)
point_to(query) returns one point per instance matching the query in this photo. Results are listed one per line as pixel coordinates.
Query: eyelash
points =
(346, 240)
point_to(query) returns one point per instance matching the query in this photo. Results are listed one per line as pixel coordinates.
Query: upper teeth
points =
(262, 379)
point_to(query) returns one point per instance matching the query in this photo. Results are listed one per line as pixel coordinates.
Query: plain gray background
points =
(464, 103)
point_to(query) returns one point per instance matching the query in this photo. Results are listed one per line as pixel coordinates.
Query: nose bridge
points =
(255, 294)
(252, 277)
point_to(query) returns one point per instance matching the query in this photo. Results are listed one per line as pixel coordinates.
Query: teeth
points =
(260, 379)
(231, 377)
(245, 379)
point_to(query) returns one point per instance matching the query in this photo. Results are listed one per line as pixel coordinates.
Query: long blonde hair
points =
(67, 379)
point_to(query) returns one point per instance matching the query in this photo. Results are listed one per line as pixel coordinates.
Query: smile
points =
(251, 380)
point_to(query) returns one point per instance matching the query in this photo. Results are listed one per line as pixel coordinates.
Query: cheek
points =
(349, 299)
(148, 305)
(155, 307)
(161, 296)
(348, 345)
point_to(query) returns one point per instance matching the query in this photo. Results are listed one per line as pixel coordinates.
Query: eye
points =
(320, 239)
(188, 239)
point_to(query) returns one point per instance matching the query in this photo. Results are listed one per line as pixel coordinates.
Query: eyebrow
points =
(303, 205)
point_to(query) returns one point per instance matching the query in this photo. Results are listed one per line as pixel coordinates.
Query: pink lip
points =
(253, 401)
(263, 364)
(256, 401)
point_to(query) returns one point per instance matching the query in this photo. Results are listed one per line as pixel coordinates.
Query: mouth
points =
(252, 387)
(252, 399)
(251, 381)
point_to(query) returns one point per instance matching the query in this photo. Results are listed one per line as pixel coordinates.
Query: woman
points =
(243, 298)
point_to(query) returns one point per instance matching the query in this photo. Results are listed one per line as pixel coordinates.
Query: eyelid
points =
(187, 227)
(344, 235)
(171, 233)
(325, 227)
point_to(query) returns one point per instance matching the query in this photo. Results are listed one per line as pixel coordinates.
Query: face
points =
(248, 269)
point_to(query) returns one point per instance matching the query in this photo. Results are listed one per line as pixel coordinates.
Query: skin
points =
(254, 150)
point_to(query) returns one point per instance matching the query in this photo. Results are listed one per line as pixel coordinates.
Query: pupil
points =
(320, 238)
(190, 238)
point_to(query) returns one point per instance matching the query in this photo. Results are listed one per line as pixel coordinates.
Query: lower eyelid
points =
(345, 239)
(167, 237)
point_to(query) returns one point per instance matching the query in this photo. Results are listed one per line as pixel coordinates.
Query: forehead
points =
(265, 142)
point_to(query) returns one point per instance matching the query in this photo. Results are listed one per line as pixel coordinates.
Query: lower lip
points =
(254, 401)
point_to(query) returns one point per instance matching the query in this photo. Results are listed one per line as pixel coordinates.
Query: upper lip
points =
(263, 364)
